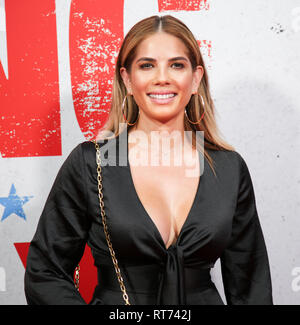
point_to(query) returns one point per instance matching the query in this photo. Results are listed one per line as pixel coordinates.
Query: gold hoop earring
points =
(123, 105)
(201, 115)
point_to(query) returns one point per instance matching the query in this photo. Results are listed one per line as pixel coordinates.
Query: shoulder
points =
(226, 160)
(242, 167)
(87, 151)
(88, 148)
(228, 157)
(242, 172)
(231, 167)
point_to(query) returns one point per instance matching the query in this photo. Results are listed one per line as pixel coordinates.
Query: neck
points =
(154, 131)
(159, 139)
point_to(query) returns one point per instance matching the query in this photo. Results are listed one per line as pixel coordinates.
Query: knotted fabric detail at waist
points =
(170, 281)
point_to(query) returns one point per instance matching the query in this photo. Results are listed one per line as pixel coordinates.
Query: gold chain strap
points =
(76, 278)
(103, 216)
(101, 203)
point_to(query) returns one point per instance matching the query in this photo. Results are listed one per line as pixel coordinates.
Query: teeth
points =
(162, 96)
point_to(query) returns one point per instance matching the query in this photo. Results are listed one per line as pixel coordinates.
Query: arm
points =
(60, 238)
(244, 263)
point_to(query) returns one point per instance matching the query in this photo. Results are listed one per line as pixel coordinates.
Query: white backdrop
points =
(254, 74)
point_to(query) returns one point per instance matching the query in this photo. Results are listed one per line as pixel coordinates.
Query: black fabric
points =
(222, 223)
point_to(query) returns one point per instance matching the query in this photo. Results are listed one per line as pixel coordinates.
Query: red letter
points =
(96, 33)
(30, 112)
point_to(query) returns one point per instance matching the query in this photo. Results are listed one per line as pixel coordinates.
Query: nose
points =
(162, 75)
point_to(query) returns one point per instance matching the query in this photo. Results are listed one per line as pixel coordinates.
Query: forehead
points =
(161, 45)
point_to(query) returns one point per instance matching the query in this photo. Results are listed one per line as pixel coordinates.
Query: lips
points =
(162, 93)
(162, 96)
(166, 100)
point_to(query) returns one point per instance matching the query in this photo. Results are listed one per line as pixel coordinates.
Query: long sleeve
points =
(244, 263)
(60, 238)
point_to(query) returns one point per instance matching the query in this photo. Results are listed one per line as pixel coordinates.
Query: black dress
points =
(222, 223)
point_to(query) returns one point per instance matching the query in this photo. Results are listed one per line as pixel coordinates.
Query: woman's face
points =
(154, 70)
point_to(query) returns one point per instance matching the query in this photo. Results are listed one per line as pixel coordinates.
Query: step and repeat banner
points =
(57, 61)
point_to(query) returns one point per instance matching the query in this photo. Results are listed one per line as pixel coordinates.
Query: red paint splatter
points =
(205, 47)
(183, 5)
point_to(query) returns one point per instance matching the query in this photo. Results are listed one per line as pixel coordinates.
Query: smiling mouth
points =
(162, 96)
(162, 99)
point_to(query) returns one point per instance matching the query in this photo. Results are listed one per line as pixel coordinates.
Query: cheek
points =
(185, 83)
(140, 82)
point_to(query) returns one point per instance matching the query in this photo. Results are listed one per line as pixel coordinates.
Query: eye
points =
(145, 65)
(180, 64)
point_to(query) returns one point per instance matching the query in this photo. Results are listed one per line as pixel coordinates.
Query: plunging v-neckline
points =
(146, 214)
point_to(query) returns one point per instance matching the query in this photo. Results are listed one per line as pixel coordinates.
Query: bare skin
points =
(166, 192)
(167, 195)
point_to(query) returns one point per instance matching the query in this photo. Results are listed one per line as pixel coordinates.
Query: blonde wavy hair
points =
(127, 53)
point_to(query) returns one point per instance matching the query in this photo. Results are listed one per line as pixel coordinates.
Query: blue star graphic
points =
(13, 204)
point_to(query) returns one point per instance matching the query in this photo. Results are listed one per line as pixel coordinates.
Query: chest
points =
(167, 194)
(149, 208)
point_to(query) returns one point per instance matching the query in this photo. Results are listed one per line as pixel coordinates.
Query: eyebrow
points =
(170, 60)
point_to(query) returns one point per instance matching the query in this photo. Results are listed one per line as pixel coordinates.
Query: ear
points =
(126, 79)
(197, 77)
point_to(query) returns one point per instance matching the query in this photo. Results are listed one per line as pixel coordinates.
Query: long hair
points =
(127, 53)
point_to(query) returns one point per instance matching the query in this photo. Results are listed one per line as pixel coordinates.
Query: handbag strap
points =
(103, 217)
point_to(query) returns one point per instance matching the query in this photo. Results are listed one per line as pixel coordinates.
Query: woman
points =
(167, 229)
